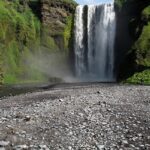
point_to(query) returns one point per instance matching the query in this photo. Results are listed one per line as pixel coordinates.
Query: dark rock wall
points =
(130, 25)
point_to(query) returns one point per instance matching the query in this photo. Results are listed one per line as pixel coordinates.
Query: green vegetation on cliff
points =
(57, 21)
(146, 13)
(119, 3)
(68, 31)
(140, 78)
(22, 35)
(142, 51)
(19, 35)
(142, 47)
(136, 63)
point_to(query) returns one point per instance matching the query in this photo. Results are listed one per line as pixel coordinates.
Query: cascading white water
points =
(79, 46)
(94, 42)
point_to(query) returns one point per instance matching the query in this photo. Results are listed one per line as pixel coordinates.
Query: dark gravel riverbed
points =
(81, 117)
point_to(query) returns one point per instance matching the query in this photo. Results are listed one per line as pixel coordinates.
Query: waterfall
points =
(79, 46)
(94, 42)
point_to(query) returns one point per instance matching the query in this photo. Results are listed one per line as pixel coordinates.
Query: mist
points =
(52, 66)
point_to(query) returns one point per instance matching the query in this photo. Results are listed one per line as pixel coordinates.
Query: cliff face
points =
(133, 40)
(19, 34)
(54, 11)
(28, 28)
(57, 20)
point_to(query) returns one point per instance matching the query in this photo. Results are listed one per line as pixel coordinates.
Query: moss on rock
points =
(68, 31)
(146, 13)
(134, 24)
(26, 30)
(19, 30)
(142, 47)
(140, 78)
(57, 19)
(119, 3)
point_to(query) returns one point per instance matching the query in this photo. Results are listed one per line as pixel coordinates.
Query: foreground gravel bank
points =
(87, 117)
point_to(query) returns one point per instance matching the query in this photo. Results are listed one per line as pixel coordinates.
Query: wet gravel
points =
(87, 117)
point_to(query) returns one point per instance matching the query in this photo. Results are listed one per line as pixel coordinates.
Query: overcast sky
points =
(92, 1)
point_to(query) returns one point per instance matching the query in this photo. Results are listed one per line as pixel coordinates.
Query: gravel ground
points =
(87, 117)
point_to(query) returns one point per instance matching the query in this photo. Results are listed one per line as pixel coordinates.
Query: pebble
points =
(27, 118)
(21, 147)
(70, 148)
(104, 123)
(134, 138)
(138, 122)
(33, 147)
(140, 135)
(125, 142)
(4, 119)
(109, 110)
(135, 125)
(23, 132)
(4, 143)
(43, 147)
(131, 145)
(70, 133)
(142, 146)
(100, 147)
(8, 126)
(60, 100)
